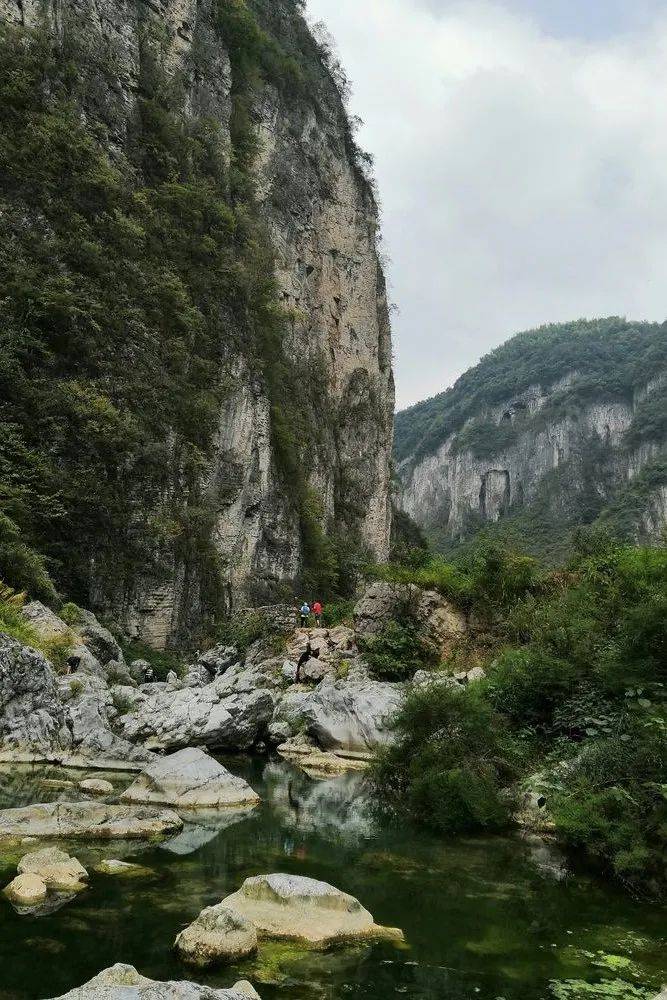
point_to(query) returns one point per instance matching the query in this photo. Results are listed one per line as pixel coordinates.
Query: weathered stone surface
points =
(313, 913)
(50, 626)
(350, 715)
(96, 786)
(123, 982)
(190, 779)
(32, 717)
(212, 716)
(218, 935)
(56, 869)
(98, 639)
(90, 711)
(439, 621)
(94, 820)
(26, 890)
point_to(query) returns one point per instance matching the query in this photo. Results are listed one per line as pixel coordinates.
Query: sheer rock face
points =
(449, 490)
(322, 220)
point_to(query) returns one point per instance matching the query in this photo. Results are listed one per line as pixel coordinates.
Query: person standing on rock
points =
(317, 611)
(304, 611)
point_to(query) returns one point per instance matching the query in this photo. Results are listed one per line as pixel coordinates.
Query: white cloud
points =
(523, 176)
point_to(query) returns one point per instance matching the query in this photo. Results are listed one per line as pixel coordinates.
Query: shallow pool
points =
(483, 917)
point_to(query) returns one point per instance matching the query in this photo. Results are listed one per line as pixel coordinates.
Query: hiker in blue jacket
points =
(304, 611)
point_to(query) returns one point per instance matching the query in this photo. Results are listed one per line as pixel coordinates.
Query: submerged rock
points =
(96, 786)
(94, 820)
(218, 935)
(315, 914)
(56, 869)
(26, 890)
(321, 763)
(123, 982)
(123, 869)
(190, 779)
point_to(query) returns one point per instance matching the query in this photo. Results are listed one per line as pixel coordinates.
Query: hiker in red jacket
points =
(317, 611)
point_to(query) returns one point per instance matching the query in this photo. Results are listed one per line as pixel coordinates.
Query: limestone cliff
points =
(302, 437)
(560, 427)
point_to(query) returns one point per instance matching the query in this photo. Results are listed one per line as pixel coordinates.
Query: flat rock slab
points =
(57, 869)
(297, 908)
(218, 935)
(123, 982)
(190, 779)
(91, 820)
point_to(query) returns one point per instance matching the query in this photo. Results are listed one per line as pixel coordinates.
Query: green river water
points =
(483, 918)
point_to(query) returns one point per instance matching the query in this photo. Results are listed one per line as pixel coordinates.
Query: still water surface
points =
(484, 918)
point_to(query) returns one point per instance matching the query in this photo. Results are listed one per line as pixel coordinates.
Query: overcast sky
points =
(521, 155)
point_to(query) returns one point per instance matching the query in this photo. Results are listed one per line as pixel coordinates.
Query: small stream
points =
(485, 918)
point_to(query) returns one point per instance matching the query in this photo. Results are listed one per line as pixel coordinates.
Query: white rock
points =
(123, 982)
(56, 869)
(218, 935)
(313, 913)
(96, 786)
(190, 779)
(92, 820)
(26, 890)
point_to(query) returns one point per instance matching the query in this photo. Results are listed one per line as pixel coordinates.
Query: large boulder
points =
(350, 715)
(218, 935)
(91, 713)
(123, 982)
(56, 869)
(315, 914)
(92, 820)
(32, 715)
(26, 890)
(49, 626)
(190, 779)
(212, 716)
(98, 639)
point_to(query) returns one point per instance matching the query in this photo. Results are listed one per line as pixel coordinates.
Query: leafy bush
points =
(162, 661)
(443, 770)
(397, 652)
(13, 624)
(527, 685)
(575, 690)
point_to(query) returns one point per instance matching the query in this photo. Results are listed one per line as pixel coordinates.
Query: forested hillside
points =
(560, 426)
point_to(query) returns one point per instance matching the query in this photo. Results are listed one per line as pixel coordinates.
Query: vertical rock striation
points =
(317, 207)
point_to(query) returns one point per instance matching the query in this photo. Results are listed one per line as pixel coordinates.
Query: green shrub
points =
(13, 624)
(613, 804)
(443, 770)
(162, 661)
(70, 613)
(527, 685)
(397, 652)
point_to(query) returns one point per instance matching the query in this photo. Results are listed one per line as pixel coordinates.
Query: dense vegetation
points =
(573, 705)
(131, 280)
(608, 358)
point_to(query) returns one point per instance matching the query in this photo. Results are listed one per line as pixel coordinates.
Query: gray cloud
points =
(521, 167)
